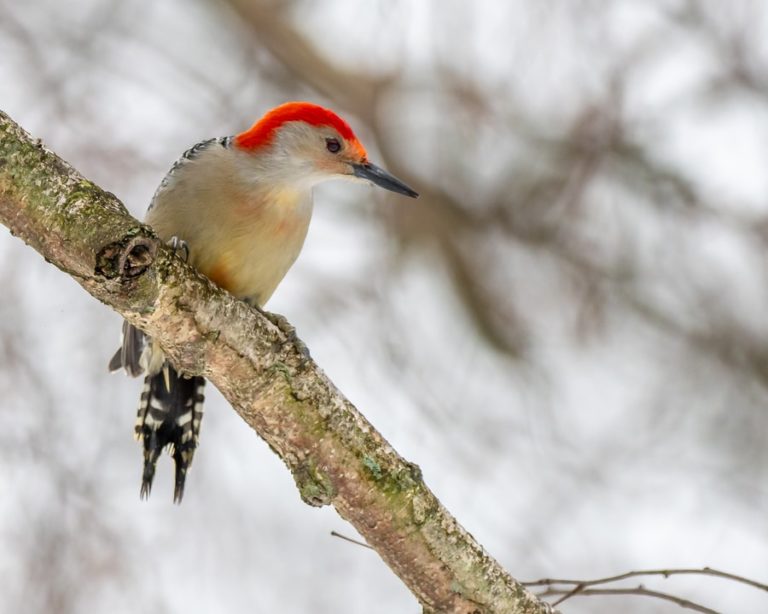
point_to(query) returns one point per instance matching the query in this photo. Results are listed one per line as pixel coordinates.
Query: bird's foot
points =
(288, 329)
(181, 248)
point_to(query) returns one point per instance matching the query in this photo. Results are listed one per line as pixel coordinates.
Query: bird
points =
(237, 208)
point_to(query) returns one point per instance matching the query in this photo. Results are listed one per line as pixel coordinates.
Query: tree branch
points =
(638, 590)
(584, 587)
(666, 573)
(336, 457)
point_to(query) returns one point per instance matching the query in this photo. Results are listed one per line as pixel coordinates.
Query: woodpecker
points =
(238, 209)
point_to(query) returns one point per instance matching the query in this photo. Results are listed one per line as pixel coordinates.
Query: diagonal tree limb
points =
(336, 457)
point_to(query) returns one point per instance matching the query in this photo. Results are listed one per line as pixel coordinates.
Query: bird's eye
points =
(333, 145)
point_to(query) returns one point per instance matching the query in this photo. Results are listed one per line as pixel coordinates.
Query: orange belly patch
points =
(219, 274)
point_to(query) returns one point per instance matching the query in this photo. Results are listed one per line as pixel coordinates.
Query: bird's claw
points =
(180, 247)
(288, 329)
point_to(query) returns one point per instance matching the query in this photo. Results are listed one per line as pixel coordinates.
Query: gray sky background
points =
(567, 332)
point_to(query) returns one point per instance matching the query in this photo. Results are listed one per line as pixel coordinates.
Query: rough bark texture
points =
(336, 457)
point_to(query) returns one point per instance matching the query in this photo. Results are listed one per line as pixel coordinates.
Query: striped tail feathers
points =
(169, 416)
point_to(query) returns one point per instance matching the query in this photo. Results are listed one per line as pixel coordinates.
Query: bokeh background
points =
(568, 331)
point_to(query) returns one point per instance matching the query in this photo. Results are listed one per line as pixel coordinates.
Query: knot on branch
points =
(315, 486)
(128, 258)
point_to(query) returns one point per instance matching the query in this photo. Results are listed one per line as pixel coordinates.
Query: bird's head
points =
(303, 144)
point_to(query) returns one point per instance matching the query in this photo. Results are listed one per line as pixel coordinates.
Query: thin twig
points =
(574, 591)
(639, 590)
(705, 571)
(350, 540)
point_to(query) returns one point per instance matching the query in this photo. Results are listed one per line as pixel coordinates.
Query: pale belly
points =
(251, 267)
(246, 251)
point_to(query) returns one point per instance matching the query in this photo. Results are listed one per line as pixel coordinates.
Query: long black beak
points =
(382, 178)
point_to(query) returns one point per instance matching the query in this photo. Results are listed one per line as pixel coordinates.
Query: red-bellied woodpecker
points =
(240, 208)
